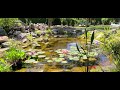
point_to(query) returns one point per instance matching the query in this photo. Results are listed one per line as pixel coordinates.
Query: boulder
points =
(3, 39)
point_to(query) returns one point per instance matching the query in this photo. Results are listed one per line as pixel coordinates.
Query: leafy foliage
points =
(14, 54)
(7, 22)
(4, 66)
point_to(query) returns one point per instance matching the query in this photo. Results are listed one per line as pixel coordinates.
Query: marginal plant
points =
(14, 54)
(86, 51)
(4, 66)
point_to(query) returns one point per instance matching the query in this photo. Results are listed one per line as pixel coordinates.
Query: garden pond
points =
(62, 55)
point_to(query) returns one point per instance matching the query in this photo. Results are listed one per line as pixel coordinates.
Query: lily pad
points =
(30, 61)
(42, 52)
(58, 60)
(54, 58)
(36, 54)
(71, 58)
(64, 62)
(62, 59)
(41, 56)
(33, 56)
(47, 58)
(76, 59)
(61, 55)
(49, 61)
(84, 57)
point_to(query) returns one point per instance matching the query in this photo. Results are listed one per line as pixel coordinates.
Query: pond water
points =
(61, 43)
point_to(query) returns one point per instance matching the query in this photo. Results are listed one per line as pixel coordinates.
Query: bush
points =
(7, 23)
(14, 54)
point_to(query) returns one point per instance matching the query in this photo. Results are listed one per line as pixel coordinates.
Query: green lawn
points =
(100, 27)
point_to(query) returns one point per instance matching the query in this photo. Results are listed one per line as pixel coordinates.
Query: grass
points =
(99, 27)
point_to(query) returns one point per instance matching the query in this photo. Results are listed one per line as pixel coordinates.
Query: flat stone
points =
(3, 39)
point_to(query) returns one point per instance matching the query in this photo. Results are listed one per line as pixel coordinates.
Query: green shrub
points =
(7, 23)
(14, 54)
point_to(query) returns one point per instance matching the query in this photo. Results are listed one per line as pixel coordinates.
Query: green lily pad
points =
(62, 58)
(36, 54)
(76, 59)
(58, 60)
(41, 56)
(30, 61)
(71, 58)
(61, 55)
(47, 58)
(49, 61)
(80, 55)
(84, 57)
(92, 54)
(54, 59)
(33, 56)
(64, 62)
(42, 52)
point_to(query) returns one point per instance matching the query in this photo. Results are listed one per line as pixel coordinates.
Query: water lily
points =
(31, 53)
(93, 67)
(64, 51)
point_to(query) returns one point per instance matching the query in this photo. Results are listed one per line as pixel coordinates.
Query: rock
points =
(2, 32)
(22, 35)
(3, 49)
(17, 32)
(40, 40)
(24, 40)
(6, 44)
(3, 39)
(36, 46)
(33, 34)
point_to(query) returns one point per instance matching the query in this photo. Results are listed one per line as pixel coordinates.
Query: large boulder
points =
(3, 39)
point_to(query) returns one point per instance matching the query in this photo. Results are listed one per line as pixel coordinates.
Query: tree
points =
(62, 20)
(50, 20)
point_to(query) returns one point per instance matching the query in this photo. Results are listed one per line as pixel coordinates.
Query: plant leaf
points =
(77, 47)
(85, 33)
(92, 37)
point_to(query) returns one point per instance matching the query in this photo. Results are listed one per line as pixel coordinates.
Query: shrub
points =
(7, 23)
(14, 54)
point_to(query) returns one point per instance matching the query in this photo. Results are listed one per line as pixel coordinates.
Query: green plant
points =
(14, 54)
(30, 37)
(86, 51)
(7, 23)
(4, 66)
